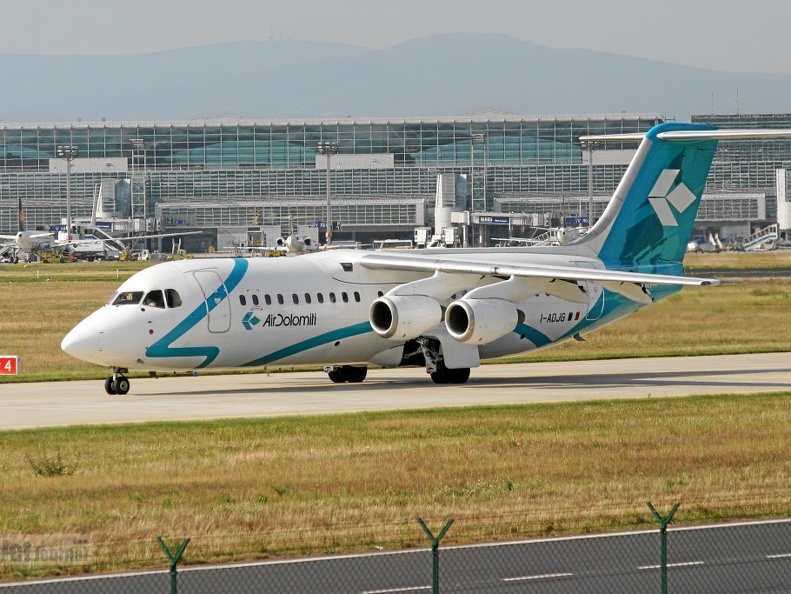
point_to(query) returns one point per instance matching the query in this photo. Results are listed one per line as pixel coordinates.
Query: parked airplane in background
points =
(32, 241)
(293, 245)
(29, 239)
(551, 236)
(444, 309)
(45, 244)
(50, 244)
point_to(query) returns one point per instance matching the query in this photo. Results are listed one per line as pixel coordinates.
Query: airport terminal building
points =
(225, 175)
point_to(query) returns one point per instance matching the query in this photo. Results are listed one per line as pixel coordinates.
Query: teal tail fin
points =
(649, 220)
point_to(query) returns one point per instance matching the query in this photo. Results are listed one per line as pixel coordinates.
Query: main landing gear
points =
(435, 364)
(346, 373)
(443, 375)
(118, 383)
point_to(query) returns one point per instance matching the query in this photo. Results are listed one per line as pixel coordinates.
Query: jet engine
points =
(480, 321)
(404, 317)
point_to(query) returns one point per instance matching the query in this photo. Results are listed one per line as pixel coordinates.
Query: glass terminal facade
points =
(215, 173)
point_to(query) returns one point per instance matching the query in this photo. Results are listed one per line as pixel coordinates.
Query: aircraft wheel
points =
(109, 386)
(121, 385)
(440, 376)
(336, 375)
(354, 375)
(458, 376)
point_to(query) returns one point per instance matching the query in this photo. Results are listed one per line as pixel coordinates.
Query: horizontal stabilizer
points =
(689, 135)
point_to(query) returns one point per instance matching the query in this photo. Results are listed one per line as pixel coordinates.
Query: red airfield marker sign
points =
(9, 365)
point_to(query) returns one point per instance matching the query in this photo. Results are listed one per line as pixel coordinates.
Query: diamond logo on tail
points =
(661, 197)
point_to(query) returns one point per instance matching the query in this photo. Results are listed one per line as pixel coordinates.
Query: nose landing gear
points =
(118, 383)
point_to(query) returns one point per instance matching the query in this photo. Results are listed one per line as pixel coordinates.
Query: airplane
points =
(64, 246)
(293, 245)
(711, 244)
(551, 236)
(442, 309)
(28, 241)
(33, 241)
(46, 243)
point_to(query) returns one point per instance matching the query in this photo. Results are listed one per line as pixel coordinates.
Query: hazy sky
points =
(729, 35)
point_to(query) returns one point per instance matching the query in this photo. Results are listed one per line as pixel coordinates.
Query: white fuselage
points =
(309, 309)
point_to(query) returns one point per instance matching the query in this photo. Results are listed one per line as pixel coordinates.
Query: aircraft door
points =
(219, 308)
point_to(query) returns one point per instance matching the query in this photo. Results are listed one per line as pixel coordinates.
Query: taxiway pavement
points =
(172, 398)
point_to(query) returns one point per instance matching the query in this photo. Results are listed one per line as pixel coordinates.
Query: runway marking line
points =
(544, 576)
(684, 564)
(389, 590)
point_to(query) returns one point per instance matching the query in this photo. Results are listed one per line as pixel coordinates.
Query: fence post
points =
(173, 559)
(663, 522)
(434, 551)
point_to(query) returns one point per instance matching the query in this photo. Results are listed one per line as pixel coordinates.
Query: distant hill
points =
(435, 76)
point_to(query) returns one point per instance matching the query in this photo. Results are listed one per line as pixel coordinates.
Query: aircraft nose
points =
(81, 342)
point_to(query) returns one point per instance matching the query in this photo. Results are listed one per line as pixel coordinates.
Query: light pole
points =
(68, 152)
(589, 146)
(139, 148)
(328, 149)
(478, 194)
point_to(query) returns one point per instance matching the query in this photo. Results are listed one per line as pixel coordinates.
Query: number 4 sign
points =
(9, 364)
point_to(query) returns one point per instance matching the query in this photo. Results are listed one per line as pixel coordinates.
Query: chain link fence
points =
(735, 557)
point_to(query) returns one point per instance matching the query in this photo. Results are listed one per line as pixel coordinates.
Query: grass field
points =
(252, 489)
(768, 259)
(295, 486)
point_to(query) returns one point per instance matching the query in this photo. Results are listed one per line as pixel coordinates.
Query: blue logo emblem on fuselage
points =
(249, 320)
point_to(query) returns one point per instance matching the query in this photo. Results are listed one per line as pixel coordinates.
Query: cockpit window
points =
(128, 298)
(154, 299)
(173, 297)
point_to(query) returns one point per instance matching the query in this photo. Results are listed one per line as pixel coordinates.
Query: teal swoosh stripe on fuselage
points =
(162, 347)
(616, 307)
(311, 343)
(537, 338)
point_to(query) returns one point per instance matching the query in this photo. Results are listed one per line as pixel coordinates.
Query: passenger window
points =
(280, 299)
(295, 298)
(267, 299)
(307, 297)
(255, 299)
(357, 297)
(242, 300)
(345, 297)
(128, 298)
(332, 297)
(154, 299)
(320, 297)
(379, 293)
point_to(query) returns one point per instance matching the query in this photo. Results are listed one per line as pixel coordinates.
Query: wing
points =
(429, 263)
(31, 235)
(134, 238)
(558, 280)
